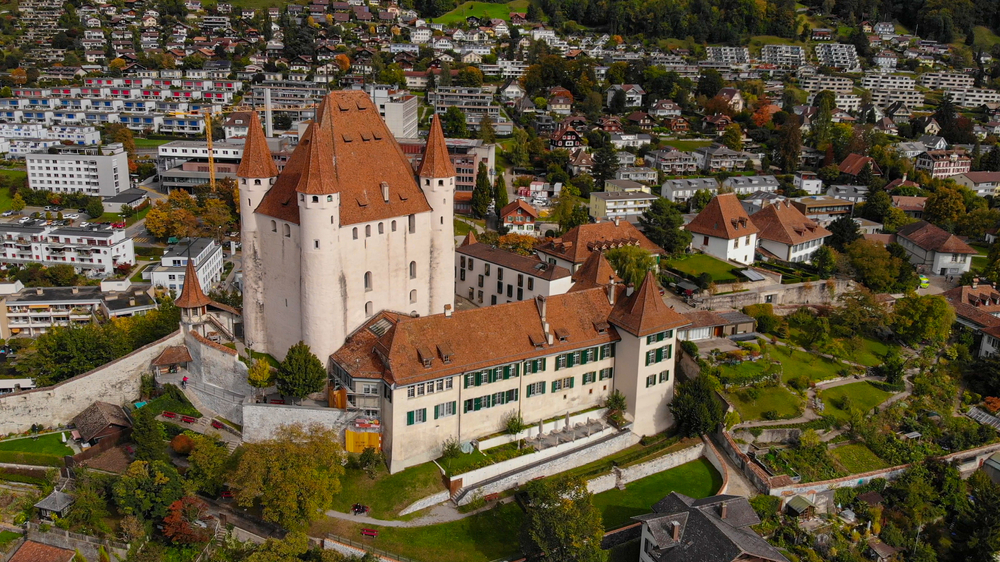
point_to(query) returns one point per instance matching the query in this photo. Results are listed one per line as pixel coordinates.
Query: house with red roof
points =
(519, 218)
(855, 163)
(787, 234)
(723, 229)
(935, 250)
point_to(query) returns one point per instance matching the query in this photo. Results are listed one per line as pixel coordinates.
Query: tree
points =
(482, 192)
(945, 207)
(789, 146)
(699, 200)
(710, 82)
(918, 318)
(732, 137)
(301, 373)
(147, 489)
(89, 502)
(874, 266)
(500, 197)
(877, 205)
(294, 476)
(618, 101)
(605, 164)
(892, 367)
(519, 148)
(631, 263)
(662, 223)
(695, 408)
(979, 527)
(148, 435)
(521, 244)
(454, 123)
(260, 375)
(860, 313)
(561, 523)
(17, 204)
(208, 463)
(215, 217)
(486, 131)
(179, 524)
(843, 231)
(117, 132)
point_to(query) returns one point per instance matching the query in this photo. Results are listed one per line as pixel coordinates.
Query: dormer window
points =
(425, 357)
(562, 334)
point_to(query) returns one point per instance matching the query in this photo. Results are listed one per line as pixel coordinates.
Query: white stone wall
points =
(253, 305)
(647, 406)
(116, 382)
(424, 503)
(262, 421)
(280, 285)
(533, 431)
(631, 474)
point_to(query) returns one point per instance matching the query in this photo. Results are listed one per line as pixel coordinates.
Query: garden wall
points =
(818, 292)
(639, 471)
(549, 427)
(779, 435)
(437, 498)
(262, 421)
(86, 544)
(116, 382)
(715, 457)
(755, 474)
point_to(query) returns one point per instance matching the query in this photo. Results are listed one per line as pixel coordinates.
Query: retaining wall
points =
(437, 498)
(87, 545)
(755, 474)
(262, 421)
(639, 471)
(534, 430)
(815, 292)
(779, 435)
(715, 457)
(116, 382)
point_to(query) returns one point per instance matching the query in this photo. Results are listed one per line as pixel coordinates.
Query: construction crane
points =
(211, 153)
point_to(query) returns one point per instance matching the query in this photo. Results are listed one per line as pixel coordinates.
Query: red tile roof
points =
(723, 217)
(347, 150)
(191, 295)
(854, 163)
(172, 356)
(595, 272)
(930, 237)
(644, 312)
(784, 223)
(32, 551)
(436, 162)
(470, 239)
(518, 204)
(976, 305)
(256, 161)
(576, 245)
(909, 203)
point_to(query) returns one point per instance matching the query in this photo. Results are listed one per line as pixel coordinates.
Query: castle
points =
(344, 231)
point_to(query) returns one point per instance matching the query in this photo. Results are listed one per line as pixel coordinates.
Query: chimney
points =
(617, 221)
(76, 290)
(542, 303)
(629, 289)
(975, 282)
(38, 291)
(447, 311)
(385, 191)
(611, 289)
(723, 509)
(677, 531)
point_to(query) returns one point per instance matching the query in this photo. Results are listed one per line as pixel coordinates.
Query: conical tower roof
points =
(256, 161)
(470, 239)
(644, 312)
(191, 295)
(436, 162)
(595, 272)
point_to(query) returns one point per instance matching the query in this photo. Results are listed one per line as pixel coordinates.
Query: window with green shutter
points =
(436, 410)
(506, 372)
(477, 404)
(470, 379)
(467, 406)
(555, 386)
(409, 417)
(670, 351)
(664, 376)
(659, 354)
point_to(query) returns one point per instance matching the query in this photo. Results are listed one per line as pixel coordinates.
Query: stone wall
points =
(755, 474)
(534, 430)
(816, 292)
(261, 421)
(86, 544)
(715, 457)
(639, 471)
(116, 382)
(778, 435)
(556, 465)
(437, 498)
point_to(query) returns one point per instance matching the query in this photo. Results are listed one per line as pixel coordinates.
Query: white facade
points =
(972, 97)
(808, 182)
(740, 250)
(797, 253)
(208, 263)
(946, 80)
(783, 55)
(398, 109)
(506, 277)
(838, 55)
(835, 84)
(86, 249)
(93, 171)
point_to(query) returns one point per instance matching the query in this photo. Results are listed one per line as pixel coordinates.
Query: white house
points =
(808, 182)
(487, 275)
(723, 229)
(633, 94)
(787, 234)
(937, 250)
(207, 257)
(983, 183)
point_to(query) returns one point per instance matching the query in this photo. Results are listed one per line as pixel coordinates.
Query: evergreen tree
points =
(789, 145)
(486, 131)
(662, 223)
(500, 198)
(844, 231)
(482, 193)
(519, 149)
(695, 408)
(825, 261)
(149, 436)
(301, 373)
(454, 123)
(445, 78)
(605, 164)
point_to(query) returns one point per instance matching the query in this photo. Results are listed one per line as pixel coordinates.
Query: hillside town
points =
(541, 280)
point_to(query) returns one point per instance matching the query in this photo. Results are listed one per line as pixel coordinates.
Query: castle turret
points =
(437, 180)
(193, 302)
(255, 175)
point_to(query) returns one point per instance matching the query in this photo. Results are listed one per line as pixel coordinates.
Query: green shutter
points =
(409, 418)
(670, 351)
(436, 411)
(649, 339)
(583, 357)
(554, 386)
(477, 404)
(478, 378)
(542, 388)
(603, 352)
(659, 354)
(517, 369)
(424, 413)
(647, 358)
(506, 372)
(529, 390)
(454, 405)
(613, 350)
(543, 363)
(571, 381)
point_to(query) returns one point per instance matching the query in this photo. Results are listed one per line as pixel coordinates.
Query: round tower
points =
(436, 177)
(323, 290)
(254, 177)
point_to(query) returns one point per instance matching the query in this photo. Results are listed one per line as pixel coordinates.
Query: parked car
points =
(71, 216)
(24, 220)
(84, 224)
(9, 213)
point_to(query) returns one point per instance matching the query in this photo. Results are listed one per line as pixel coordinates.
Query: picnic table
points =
(277, 401)
(369, 533)
(169, 415)
(216, 424)
(188, 419)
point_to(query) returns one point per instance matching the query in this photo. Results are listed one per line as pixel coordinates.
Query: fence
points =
(383, 554)
(103, 445)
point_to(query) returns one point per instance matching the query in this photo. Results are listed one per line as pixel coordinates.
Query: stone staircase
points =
(204, 423)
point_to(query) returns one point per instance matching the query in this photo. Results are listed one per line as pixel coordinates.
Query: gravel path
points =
(443, 513)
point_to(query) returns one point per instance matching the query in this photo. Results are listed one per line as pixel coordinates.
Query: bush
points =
(770, 415)
(182, 444)
(690, 348)
(451, 448)
(800, 383)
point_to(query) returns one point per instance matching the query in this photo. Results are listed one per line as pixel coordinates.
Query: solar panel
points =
(752, 275)
(380, 327)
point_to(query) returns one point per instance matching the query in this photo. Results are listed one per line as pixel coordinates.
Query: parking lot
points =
(48, 216)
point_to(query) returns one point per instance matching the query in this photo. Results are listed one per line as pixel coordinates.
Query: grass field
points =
(50, 444)
(696, 264)
(795, 363)
(863, 397)
(697, 479)
(151, 143)
(869, 353)
(857, 458)
(387, 494)
(493, 11)
(482, 537)
(985, 38)
(5, 198)
(461, 228)
(7, 537)
(687, 144)
(775, 398)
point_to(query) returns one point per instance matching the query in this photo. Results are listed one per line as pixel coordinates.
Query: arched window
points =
(243, 181)
(288, 230)
(368, 230)
(381, 228)
(368, 281)
(440, 182)
(274, 226)
(256, 182)
(413, 296)
(369, 308)
(413, 270)
(394, 226)
(315, 198)
(355, 233)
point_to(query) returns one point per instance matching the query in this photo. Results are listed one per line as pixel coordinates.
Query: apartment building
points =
(944, 163)
(97, 171)
(884, 97)
(973, 97)
(846, 102)
(808, 182)
(673, 162)
(487, 275)
(92, 249)
(835, 84)
(728, 55)
(946, 80)
(885, 80)
(718, 158)
(783, 55)
(474, 102)
(398, 109)
(170, 272)
(30, 312)
(680, 190)
(76, 135)
(745, 185)
(465, 154)
(983, 183)
(636, 173)
(838, 55)
(626, 205)
(823, 209)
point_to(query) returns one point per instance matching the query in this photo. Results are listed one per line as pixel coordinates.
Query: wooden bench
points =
(227, 494)
(369, 533)
(188, 419)
(216, 424)
(277, 401)
(491, 497)
(169, 415)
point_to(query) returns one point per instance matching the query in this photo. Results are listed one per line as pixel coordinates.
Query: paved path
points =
(443, 513)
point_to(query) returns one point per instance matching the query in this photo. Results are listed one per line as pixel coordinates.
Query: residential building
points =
(760, 199)
(718, 158)
(398, 108)
(934, 249)
(171, 271)
(626, 186)
(30, 312)
(681, 190)
(943, 163)
(633, 94)
(637, 174)
(673, 162)
(852, 193)
(823, 209)
(841, 56)
(910, 149)
(32, 551)
(665, 109)
(912, 206)
(548, 357)
(93, 249)
(845, 102)
(236, 125)
(820, 82)
(627, 205)
(734, 98)
(933, 142)
(93, 170)
(707, 324)
(466, 155)
(808, 182)
(729, 55)
(487, 275)
(783, 55)
(974, 97)
(854, 164)
(977, 306)
(572, 249)
(887, 81)
(713, 529)
(983, 183)
(946, 80)
(786, 234)
(474, 102)
(723, 229)
(634, 140)
(519, 217)
(745, 185)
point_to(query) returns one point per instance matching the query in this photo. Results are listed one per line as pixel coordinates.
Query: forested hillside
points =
(941, 20)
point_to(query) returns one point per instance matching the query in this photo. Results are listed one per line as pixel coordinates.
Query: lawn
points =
(697, 479)
(493, 11)
(482, 537)
(5, 198)
(863, 396)
(857, 458)
(388, 494)
(151, 143)
(7, 537)
(168, 403)
(688, 144)
(985, 38)
(137, 276)
(49, 444)
(778, 399)
(115, 217)
(696, 264)
(795, 363)
(462, 228)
